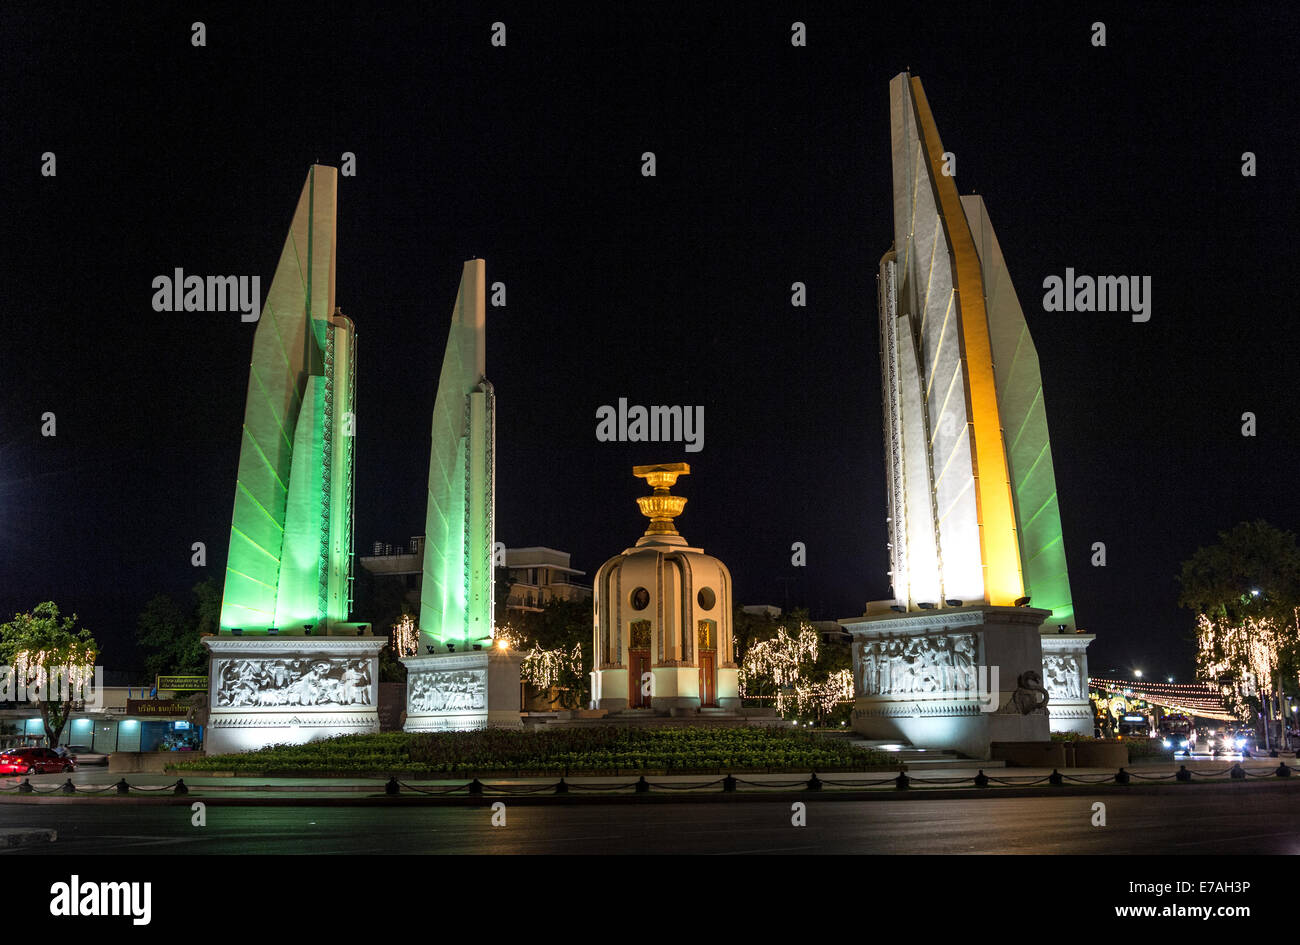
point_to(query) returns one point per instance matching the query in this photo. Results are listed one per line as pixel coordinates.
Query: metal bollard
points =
(642, 785)
(123, 787)
(728, 785)
(26, 786)
(902, 781)
(814, 782)
(1055, 779)
(981, 779)
(391, 787)
(476, 787)
(1183, 774)
(180, 787)
(1283, 771)
(68, 787)
(1122, 777)
(562, 786)
(1238, 773)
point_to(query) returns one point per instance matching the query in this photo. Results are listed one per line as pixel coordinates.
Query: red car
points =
(34, 761)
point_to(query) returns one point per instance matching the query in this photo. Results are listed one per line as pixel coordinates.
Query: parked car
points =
(82, 755)
(34, 761)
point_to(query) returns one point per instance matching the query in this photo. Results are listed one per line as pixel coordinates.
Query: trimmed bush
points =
(554, 751)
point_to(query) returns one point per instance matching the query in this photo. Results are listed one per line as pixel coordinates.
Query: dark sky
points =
(773, 166)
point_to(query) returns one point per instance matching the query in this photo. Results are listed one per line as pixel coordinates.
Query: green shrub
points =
(554, 750)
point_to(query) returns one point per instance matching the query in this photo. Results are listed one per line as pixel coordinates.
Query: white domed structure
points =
(662, 614)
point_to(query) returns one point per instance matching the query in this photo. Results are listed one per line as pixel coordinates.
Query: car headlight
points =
(1166, 743)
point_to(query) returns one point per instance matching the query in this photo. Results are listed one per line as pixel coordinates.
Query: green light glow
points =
(456, 594)
(291, 531)
(1024, 422)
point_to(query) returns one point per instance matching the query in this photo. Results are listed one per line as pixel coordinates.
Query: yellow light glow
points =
(999, 547)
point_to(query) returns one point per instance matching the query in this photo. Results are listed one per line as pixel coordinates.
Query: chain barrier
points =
(476, 788)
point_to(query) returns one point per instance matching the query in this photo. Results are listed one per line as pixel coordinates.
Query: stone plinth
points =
(944, 679)
(1065, 674)
(289, 689)
(456, 692)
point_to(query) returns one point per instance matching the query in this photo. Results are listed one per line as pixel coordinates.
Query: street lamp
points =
(1137, 673)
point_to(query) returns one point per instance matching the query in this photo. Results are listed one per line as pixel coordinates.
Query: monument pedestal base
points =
(950, 679)
(1065, 673)
(457, 692)
(289, 690)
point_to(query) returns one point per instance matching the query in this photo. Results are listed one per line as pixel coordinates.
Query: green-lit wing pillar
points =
(1024, 421)
(287, 666)
(290, 556)
(456, 594)
(459, 680)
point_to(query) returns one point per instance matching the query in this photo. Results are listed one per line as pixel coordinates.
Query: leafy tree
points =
(171, 636)
(39, 642)
(1245, 591)
(559, 627)
(1220, 580)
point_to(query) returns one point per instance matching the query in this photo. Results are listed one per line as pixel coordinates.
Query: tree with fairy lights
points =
(1245, 593)
(51, 659)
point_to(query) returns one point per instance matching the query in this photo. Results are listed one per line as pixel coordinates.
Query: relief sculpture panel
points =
(917, 665)
(321, 681)
(448, 691)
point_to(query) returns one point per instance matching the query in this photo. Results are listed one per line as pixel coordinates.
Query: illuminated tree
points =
(44, 650)
(1245, 592)
(805, 676)
(553, 644)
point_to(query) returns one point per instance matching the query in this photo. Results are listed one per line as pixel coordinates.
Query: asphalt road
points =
(1256, 821)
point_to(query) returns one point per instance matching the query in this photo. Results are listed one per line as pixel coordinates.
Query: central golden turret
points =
(661, 508)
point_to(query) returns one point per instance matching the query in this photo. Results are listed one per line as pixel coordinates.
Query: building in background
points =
(536, 575)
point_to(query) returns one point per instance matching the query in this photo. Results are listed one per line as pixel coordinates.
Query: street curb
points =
(713, 797)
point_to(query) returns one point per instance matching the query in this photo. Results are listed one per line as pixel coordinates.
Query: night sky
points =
(773, 166)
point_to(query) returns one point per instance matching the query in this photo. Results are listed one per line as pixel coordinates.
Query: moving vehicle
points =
(82, 755)
(35, 761)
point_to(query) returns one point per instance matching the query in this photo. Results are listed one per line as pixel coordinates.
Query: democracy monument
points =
(978, 644)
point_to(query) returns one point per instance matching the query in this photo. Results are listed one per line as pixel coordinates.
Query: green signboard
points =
(183, 683)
